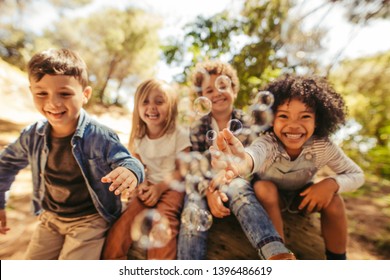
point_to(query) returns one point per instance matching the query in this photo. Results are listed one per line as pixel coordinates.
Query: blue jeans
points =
(192, 244)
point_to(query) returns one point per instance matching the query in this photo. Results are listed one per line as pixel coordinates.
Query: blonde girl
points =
(155, 139)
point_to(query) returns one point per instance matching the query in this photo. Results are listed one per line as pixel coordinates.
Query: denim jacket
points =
(96, 148)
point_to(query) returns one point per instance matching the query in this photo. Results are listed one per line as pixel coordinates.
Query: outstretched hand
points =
(121, 179)
(229, 158)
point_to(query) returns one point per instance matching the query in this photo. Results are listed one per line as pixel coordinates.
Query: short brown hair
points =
(58, 62)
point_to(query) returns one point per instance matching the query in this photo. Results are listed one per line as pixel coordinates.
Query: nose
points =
(294, 124)
(54, 101)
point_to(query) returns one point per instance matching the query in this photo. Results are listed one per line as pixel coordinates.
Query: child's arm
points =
(3, 222)
(121, 179)
(348, 175)
(230, 158)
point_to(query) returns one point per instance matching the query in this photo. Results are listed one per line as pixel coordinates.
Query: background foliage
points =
(264, 40)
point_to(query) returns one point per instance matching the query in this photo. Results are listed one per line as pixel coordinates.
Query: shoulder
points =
(182, 131)
(90, 127)
(201, 123)
(321, 144)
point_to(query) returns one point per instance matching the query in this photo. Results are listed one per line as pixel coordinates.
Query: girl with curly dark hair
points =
(286, 158)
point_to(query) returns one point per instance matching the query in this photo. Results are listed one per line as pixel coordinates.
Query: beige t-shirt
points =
(159, 155)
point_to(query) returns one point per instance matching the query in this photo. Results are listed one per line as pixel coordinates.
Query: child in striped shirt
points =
(286, 158)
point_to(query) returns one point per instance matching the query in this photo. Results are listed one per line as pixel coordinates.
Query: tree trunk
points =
(227, 241)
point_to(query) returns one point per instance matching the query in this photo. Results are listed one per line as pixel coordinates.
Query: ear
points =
(87, 93)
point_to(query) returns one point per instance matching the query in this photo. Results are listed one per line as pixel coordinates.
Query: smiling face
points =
(294, 124)
(221, 101)
(59, 98)
(154, 110)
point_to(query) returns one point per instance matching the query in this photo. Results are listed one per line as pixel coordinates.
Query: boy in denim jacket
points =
(79, 167)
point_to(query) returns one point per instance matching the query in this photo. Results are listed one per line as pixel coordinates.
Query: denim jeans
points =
(192, 244)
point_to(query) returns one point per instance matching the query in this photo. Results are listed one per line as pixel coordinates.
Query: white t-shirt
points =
(159, 155)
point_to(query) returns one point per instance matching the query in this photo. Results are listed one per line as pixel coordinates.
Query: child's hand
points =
(229, 159)
(3, 222)
(150, 194)
(318, 196)
(215, 201)
(121, 179)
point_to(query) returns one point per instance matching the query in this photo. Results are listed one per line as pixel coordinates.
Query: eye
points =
(282, 116)
(145, 102)
(307, 116)
(208, 91)
(160, 102)
(41, 94)
(66, 94)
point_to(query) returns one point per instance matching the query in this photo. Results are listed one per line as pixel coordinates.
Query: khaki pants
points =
(80, 238)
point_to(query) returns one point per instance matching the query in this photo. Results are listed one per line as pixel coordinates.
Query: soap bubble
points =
(195, 218)
(211, 135)
(201, 74)
(234, 126)
(202, 106)
(264, 100)
(150, 229)
(223, 83)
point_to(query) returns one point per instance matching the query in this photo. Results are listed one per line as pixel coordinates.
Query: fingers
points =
(221, 143)
(215, 201)
(234, 145)
(121, 179)
(220, 211)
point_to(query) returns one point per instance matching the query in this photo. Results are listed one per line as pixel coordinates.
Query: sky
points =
(355, 40)
(343, 40)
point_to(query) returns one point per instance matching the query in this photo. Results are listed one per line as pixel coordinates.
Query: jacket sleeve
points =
(12, 159)
(118, 155)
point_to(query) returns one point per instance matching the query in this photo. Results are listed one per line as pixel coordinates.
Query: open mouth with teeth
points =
(293, 136)
(152, 116)
(56, 115)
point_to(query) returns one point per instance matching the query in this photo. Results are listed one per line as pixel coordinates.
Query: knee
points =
(238, 188)
(335, 207)
(266, 192)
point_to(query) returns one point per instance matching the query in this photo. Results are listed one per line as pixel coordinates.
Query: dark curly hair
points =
(317, 94)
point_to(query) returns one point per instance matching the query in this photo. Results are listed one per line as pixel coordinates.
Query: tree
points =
(364, 83)
(16, 37)
(362, 11)
(261, 43)
(115, 44)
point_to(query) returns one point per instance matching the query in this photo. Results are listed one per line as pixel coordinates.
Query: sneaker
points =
(283, 256)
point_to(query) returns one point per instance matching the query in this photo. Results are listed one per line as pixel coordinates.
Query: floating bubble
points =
(205, 220)
(150, 229)
(195, 218)
(211, 135)
(201, 74)
(234, 126)
(261, 119)
(264, 100)
(202, 106)
(223, 83)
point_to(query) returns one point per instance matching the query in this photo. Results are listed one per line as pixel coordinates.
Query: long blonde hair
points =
(139, 127)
